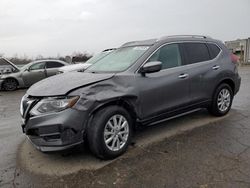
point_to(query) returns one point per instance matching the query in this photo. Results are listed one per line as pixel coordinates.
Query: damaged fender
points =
(111, 91)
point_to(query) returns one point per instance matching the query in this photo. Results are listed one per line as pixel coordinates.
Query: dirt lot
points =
(201, 151)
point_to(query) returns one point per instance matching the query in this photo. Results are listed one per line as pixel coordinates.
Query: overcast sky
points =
(51, 27)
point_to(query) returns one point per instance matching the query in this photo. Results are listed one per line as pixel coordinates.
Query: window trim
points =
(187, 65)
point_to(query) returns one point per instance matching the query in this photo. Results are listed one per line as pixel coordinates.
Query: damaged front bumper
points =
(56, 131)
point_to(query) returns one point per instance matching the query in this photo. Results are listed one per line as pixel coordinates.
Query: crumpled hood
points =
(63, 83)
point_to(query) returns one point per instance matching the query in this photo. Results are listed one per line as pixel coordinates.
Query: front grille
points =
(32, 132)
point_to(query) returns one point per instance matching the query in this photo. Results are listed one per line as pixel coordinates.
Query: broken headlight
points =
(50, 105)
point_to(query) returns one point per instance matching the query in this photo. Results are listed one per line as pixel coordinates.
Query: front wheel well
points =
(118, 102)
(11, 78)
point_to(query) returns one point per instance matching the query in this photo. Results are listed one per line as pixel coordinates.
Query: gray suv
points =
(140, 83)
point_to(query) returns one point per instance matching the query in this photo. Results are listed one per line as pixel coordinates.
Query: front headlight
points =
(51, 105)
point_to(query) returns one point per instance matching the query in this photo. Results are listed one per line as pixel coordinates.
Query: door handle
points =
(215, 67)
(182, 76)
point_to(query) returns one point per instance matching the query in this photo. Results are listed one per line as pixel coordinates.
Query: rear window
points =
(214, 50)
(196, 52)
(53, 64)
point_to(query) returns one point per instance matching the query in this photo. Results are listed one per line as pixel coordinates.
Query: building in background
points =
(241, 48)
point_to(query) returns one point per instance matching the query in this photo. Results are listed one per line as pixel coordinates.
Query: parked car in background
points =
(142, 82)
(80, 67)
(29, 74)
(7, 67)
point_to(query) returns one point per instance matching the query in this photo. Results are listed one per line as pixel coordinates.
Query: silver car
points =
(29, 74)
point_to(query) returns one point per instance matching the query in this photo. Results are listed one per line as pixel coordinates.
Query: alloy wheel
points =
(224, 100)
(10, 85)
(116, 132)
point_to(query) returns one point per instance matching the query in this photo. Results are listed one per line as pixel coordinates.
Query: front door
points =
(34, 73)
(167, 89)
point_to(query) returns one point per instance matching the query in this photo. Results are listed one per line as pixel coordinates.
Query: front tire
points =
(222, 100)
(10, 84)
(109, 133)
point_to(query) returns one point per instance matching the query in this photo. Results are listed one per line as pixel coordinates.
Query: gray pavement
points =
(10, 135)
(192, 151)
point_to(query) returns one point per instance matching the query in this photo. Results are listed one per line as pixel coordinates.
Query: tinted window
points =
(37, 66)
(53, 64)
(214, 50)
(196, 52)
(169, 55)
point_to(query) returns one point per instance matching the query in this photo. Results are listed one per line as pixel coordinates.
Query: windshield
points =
(97, 57)
(118, 60)
(25, 66)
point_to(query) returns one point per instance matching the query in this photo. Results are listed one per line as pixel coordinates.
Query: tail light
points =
(235, 58)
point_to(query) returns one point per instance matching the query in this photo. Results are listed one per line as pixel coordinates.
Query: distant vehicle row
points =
(13, 77)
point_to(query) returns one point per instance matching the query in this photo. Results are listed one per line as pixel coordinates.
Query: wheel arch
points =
(121, 101)
(228, 81)
(8, 78)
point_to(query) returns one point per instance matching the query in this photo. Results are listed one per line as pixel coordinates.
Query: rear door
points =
(204, 68)
(167, 89)
(52, 67)
(34, 73)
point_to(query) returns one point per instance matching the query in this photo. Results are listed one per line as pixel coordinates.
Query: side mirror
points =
(151, 67)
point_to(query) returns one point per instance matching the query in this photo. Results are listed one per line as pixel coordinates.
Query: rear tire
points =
(222, 100)
(109, 133)
(10, 84)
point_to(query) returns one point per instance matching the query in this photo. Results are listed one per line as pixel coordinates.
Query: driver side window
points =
(37, 66)
(169, 55)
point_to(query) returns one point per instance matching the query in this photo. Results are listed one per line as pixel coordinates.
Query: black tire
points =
(214, 108)
(10, 84)
(95, 132)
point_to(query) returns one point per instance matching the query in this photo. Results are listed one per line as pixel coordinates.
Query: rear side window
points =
(196, 52)
(214, 50)
(169, 55)
(53, 64)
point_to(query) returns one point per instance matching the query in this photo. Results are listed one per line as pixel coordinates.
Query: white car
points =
(80, 67)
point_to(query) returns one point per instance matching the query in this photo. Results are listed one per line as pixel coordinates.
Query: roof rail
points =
(193, 36)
